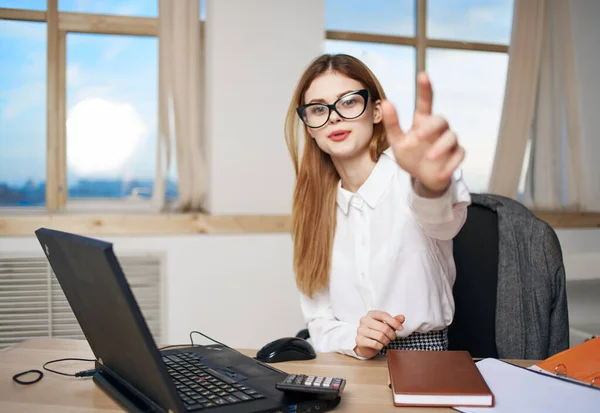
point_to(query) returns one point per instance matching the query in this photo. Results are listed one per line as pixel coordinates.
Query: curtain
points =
(541, 108)
(520, 95)
(180, 101)
(554, 178)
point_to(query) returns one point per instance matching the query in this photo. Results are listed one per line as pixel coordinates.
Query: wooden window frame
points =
(25, 221)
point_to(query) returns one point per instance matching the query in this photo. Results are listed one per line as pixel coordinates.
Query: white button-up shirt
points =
(392, 251)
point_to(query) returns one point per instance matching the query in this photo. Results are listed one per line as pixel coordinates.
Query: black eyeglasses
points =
(349, 106)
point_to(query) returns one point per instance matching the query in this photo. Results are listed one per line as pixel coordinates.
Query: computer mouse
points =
(286, 349)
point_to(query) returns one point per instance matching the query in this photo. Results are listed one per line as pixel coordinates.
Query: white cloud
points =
(102, 136)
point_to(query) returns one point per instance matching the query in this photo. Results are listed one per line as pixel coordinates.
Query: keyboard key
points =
(242, 396)
(231, 399)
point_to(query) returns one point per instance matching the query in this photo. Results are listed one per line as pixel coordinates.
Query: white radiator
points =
(32, 304)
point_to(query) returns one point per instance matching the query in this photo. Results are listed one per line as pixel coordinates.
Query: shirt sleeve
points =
(327, 333)
(443, 217)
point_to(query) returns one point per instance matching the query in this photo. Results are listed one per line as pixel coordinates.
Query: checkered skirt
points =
(433, 341)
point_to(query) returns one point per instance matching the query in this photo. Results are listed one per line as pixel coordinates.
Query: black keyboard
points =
(201, 387)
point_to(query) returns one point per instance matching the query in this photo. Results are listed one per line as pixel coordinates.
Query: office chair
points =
(510, 293)
(475, 250)
(530, 289)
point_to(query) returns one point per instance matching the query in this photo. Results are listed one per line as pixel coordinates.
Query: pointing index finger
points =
(424, 104)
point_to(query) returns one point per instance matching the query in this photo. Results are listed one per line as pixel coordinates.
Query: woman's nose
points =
(334, 117)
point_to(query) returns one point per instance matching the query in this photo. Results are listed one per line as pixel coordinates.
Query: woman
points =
(374, 213)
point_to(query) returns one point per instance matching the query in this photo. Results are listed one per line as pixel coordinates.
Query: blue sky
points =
(123, 70)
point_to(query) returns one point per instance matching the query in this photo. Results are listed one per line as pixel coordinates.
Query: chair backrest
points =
(476, 253)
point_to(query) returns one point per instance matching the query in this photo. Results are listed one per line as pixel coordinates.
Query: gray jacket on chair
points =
(531, 310)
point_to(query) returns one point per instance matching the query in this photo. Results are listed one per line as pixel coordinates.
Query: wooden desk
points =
(366, 390)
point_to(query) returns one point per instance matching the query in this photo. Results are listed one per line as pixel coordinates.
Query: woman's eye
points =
(349, 102)
(317, 110)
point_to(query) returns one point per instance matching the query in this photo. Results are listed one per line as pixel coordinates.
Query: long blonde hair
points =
(314, 203)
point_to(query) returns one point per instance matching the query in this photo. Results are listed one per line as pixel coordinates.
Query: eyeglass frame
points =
(362, 92)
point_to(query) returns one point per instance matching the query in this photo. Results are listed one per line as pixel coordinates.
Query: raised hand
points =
(375, 331)
(429, 151)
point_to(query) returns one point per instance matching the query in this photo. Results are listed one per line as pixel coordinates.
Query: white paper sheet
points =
(517, 389)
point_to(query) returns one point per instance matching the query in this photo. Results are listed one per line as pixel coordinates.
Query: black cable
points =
(210, 338)
(192, 342)
(90, 372)
(39, 377)
(83, 373)
(218, 342)
(176, 346)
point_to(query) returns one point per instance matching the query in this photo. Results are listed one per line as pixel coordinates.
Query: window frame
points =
(58, 25)
(134, 217)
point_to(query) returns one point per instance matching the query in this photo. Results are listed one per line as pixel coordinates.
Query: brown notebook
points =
(436, 378)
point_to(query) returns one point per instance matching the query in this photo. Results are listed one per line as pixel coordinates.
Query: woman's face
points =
(339, 137)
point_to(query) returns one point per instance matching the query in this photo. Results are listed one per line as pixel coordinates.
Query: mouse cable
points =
(83, 373)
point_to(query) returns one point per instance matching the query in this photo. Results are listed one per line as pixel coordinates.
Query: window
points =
(465, 52)
(102, 75)
(22, 113)
(112, 107)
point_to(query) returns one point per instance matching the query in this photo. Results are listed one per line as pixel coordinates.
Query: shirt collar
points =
(374, 186)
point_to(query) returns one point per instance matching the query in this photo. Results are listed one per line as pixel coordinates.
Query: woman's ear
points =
(377, 113)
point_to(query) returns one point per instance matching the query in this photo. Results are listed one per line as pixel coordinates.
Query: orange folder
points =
(581, 362)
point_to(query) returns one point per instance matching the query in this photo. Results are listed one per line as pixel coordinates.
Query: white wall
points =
(586, 34)
(583, 250)
(255, 53)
